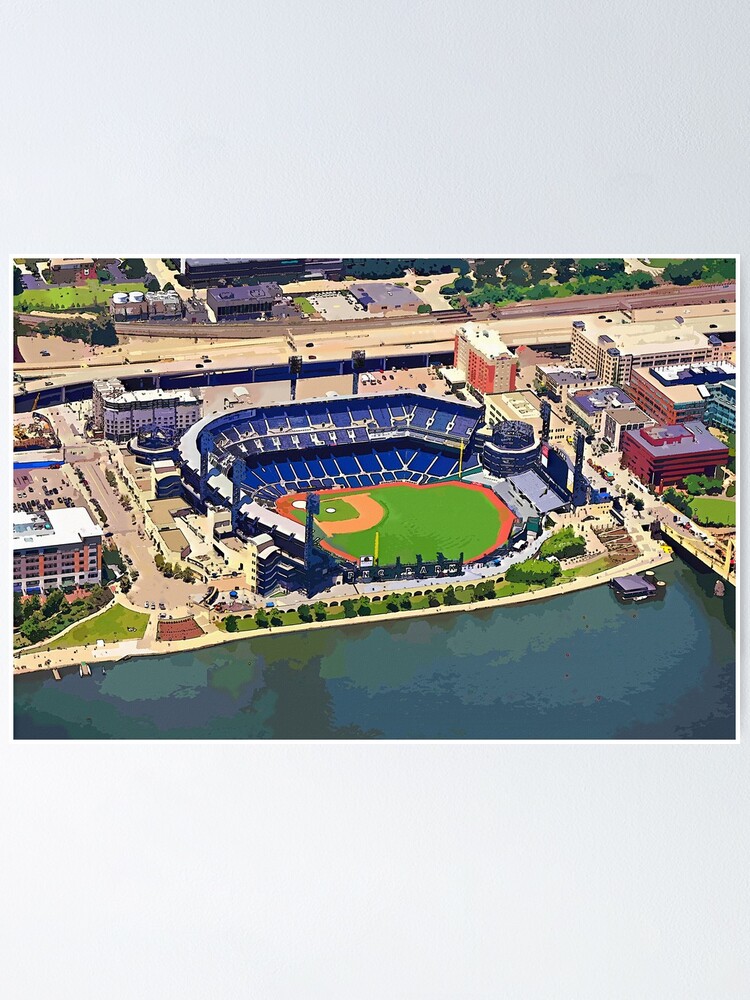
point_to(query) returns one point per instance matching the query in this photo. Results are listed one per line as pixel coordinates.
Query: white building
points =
(59, 548)
(120, 414)
(613, 350)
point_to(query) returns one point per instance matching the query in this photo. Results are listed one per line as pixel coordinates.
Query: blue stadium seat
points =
(369, 463)
(347, 465)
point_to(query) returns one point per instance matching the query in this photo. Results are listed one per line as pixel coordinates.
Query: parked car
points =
(310, 344)
(311, 357)
(199, 366)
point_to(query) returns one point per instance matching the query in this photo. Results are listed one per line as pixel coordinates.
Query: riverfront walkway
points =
(30, 662)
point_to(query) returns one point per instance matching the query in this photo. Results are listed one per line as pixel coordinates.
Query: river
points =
(576, 666)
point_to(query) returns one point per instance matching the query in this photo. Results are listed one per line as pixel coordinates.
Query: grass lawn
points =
(111, 625)
(714, 509)
(588, 569)
(448, 518)
(53, 298)
(303, 304)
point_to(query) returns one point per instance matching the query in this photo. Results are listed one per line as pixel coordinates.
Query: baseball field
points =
(409, 520)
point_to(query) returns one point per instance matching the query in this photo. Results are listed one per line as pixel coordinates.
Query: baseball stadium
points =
(354, 488)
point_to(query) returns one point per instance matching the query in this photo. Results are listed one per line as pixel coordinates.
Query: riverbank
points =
(46, 661)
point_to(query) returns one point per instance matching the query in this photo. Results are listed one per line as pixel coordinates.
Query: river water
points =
(577, 666)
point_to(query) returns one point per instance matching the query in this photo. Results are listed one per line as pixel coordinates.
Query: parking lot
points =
(337, 305)
(37, 490)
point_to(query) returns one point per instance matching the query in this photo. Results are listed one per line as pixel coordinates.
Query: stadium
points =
(356, 489)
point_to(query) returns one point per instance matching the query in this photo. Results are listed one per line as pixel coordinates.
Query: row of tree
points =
(372, 268)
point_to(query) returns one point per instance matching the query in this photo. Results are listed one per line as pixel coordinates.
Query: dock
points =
(85, 670)
(56, 674)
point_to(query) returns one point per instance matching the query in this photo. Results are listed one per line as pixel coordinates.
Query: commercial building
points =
(120, 414)
(384, 296)
(721, 408)
(614, 351)
(676, 393)
(588, 407)
(164, 305)
(524, 406)
(59, 548)
(624, 419)
(662, 456)
(556, 381)
(200, 272)
(73, 268)
(488, 365)
(243, 302)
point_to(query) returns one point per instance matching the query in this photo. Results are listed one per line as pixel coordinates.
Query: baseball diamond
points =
(411, 520)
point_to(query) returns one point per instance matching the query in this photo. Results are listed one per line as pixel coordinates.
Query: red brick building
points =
(664, 455)
(482, 356)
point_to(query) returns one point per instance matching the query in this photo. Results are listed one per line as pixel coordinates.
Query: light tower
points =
(239, 471)
(580, 483)
(206, 446)
(295, 367)
(546, 411)
(358, 365)
(312, 507)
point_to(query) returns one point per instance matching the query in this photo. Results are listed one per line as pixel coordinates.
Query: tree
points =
(276, 619)
(349, 609)
(34, 628)
(683, 272)
(393, 605)
(433, 600)
(17, 609)
(153, 285)
(53, 603)
(104, 334)
(305, 613)
(187, 575)
(406, 602)
(168, 570)
(134, 267)
(126, 584)
(31, 605)
(364, 609)
(159, 561)
(449, 597)
(178, 572)
(230, 623)
(261, 618)
(533, 571)
(563, 544)
(17, 282)
(604, 267)
(169, 287)
(321, 612)
(639, 504)
(424, 308)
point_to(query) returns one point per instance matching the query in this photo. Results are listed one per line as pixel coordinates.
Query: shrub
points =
(424, 307)
(564, 544)
(231, 623)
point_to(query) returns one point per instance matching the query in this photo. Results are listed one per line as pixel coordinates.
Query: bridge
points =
(719, 559)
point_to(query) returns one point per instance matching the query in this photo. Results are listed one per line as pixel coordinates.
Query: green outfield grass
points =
(447, 518)
(53, 298)
(714, 510)
(111, 625)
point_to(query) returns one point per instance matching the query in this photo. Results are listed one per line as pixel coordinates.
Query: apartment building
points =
(59, 548)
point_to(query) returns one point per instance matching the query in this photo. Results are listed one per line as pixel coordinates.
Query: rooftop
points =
(633, 585)
(113, 390)
(595, 400)
(522, 405)
(645, 338)
(629, 415)
(677, 439)
(61, 526)
(245, 293)
(384, 294)
(484, 339)
(564, 375)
